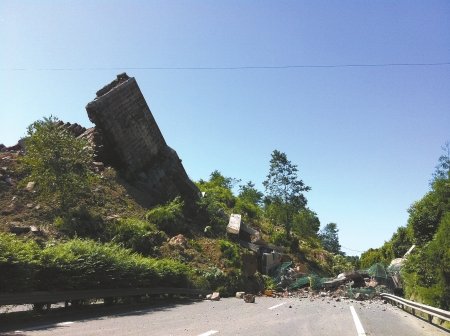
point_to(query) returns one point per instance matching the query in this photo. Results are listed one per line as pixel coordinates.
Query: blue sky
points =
(366, 139)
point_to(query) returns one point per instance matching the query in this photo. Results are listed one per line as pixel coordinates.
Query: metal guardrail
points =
(430, 311)
(63, 296)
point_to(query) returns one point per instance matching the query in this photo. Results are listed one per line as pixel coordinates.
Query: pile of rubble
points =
(358, 285)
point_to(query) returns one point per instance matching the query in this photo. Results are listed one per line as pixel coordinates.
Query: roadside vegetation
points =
(66, 224)
(426, 273)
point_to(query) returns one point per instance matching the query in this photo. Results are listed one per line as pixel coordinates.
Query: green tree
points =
(442, 170)
(330, 239)
(57, 162)
(248, 202)
(217, 203)
(341, 264)
(218, 187)
(401, 242)
(306, 223)
(370, 257)
(424, 217)
(284, 190)
(426, 214)
(249, 193)
(426, 273)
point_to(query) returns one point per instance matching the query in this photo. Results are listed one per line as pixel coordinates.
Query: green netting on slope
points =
(366, 293)
(299, 283)
(316, 282)
(279, 272)
(285, 278)
(377, 271)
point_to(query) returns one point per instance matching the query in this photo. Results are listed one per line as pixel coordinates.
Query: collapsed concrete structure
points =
(267, 256)
(127, 137)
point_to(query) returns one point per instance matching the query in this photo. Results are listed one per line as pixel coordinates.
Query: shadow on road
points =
(11, 323)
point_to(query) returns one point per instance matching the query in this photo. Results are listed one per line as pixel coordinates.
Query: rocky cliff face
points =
(128, 138)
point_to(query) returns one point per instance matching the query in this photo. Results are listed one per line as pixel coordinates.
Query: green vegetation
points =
(230, 252)
(93, 234)
(169, 217)
(330, 239)
(19, 260)
(82, 264)
(249, 202)
(426, 272)
(284, 190)
(57, 162)
(138, 235)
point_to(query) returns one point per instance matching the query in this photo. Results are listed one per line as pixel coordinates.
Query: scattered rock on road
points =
(249, 298)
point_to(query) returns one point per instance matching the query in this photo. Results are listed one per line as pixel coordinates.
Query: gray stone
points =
(240, 295)
(249, 298)
(128, 138)
(34, 229)
(17, 228)
(215, 296)
(30, 186)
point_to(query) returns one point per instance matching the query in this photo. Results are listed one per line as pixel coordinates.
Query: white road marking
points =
(358, 325)
(62, 324)
(276, 306)
(211, 332)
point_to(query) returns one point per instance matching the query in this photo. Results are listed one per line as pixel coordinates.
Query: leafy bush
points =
(269, 283)
(212, 215)
(171, 272)
(80, 222)
(249, 211)
(226, 283)
(279, 238)
(19, 263)
(58, 163)
(217, 203)
(219, 188)
(230, 252)
(214, 276)
(138, 235)
(169, 218)
(85, 264)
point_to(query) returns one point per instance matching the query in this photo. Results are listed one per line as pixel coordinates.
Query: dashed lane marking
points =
(211, 332)
(358, 325)
(276, 306)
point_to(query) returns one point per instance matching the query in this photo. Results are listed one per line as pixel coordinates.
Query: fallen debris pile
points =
(358, 285)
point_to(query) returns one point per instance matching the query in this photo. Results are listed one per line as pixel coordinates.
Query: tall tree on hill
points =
(284, 189)
(330, 239)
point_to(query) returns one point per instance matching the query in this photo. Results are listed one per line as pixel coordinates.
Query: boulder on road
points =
(249, 298)
(215, 296)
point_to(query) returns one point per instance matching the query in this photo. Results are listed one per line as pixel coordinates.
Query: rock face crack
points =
(132, 142)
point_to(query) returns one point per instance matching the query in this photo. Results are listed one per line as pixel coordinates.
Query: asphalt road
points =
(267, 316)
